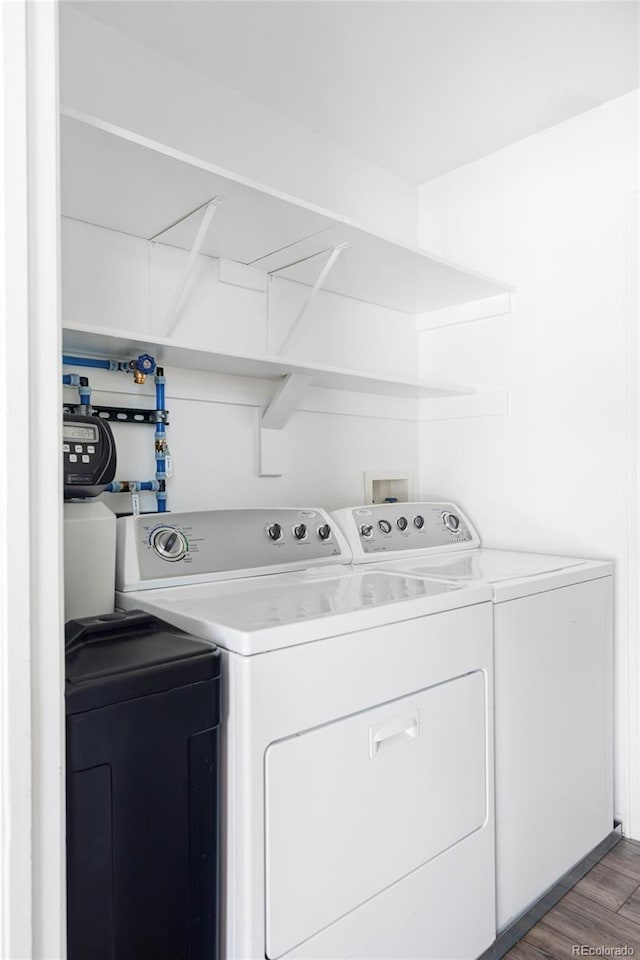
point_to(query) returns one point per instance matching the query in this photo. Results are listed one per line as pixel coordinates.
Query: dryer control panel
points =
(398, 529)
(167, 549)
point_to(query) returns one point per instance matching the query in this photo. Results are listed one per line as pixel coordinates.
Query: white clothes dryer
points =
(553, 684)
(357, 732)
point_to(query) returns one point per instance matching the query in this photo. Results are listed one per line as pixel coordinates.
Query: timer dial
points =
(451, 522)
(169, 544)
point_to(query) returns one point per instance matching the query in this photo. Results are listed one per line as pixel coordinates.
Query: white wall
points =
(115, 282)
(549, 214)
(110, 76)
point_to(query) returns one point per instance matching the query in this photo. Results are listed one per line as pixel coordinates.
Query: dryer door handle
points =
(392, 733)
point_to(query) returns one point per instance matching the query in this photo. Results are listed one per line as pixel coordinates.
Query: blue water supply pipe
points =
(161, 442)
(141, 367)
(131, 486)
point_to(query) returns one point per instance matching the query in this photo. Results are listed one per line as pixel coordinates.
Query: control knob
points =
(451, 522)
(418, 522)
(366, 530)
(169, 544)
(402, 523)
(275, 532)
(300, 531)
(324, 531)
(385, 526)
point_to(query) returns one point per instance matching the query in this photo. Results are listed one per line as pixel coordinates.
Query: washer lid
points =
(490, 566)
(266, 613)
(510, 573)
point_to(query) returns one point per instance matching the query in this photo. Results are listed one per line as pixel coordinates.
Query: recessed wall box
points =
(388, 485)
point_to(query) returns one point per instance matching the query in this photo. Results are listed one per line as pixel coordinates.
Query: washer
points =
(553, 684)
(357, 734)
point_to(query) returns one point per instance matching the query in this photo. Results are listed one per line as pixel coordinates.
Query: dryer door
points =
(357, 804)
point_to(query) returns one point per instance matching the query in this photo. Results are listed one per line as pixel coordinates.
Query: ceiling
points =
(418, 87)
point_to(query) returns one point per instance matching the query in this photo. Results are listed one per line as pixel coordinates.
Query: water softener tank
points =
(142, 716)
(88, 465)
(89, 559)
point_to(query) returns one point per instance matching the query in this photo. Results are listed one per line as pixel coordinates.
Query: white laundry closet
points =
(363, 240)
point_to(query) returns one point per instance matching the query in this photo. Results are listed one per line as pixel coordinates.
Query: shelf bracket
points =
(172, 314)
(274, 418)
(313, 293)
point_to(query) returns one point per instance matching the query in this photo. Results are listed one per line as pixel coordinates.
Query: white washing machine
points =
(357, 734)
(553, 684)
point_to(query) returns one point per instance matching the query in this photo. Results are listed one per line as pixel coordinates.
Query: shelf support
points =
(209, 213)
(313, 293)
(274, 418)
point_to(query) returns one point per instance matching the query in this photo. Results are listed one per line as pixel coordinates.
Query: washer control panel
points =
(169, 543)
(223, 544)
(400, 528)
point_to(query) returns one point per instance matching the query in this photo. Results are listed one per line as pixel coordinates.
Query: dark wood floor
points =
(602, 910)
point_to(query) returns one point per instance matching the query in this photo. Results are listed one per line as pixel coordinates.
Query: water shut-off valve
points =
(142, 367)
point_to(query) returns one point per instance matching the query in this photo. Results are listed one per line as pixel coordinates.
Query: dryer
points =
(553, 684)
(357, 734)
